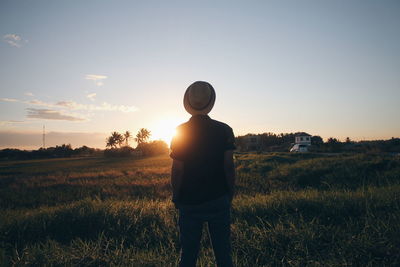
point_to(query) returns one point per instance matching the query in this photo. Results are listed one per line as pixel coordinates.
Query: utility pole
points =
(44, 137)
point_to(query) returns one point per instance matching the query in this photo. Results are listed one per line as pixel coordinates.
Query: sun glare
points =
(165, 129)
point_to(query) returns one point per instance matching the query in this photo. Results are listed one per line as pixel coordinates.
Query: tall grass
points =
(290, 228)
(345, 214)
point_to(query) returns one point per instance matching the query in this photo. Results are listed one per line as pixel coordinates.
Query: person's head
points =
(199, 98)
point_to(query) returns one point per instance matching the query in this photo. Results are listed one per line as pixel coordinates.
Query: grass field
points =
(290, 210)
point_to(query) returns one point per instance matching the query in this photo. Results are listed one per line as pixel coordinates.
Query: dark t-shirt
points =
(201, 143)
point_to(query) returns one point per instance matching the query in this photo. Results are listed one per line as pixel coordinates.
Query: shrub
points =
(125, 151)
(153, 148)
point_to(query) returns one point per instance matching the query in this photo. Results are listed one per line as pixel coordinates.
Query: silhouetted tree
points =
(119, 138)
(84, 151)
(316, 140)
(142, 136)
(334, 145)
(127, 136)
(332, 140)
(110, 142)
(125, 151)
(114, 140)
(153, 148)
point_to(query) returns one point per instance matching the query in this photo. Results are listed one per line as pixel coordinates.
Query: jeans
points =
(191, 218)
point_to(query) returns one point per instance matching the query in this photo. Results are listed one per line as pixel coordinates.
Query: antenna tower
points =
(44, 137)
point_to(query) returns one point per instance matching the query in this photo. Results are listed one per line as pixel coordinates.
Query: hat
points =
(199, 98)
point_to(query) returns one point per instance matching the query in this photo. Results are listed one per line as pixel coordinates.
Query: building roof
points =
(301, 134)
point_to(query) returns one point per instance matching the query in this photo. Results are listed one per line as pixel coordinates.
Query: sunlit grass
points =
(298, 227)
(290, 210)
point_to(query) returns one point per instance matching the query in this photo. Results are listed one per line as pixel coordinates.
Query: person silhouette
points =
(203, 177)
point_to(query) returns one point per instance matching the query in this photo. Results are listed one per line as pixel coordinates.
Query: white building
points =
(303, 139)
(301, 143)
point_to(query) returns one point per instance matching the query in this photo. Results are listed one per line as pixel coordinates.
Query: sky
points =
(87, 68)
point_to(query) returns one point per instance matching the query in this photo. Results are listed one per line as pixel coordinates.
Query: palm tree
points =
(119, 138)
(127, 136)
(110, 142)
(114, 139)
(142, 136)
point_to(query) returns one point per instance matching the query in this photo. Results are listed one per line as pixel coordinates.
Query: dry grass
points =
(291, 210)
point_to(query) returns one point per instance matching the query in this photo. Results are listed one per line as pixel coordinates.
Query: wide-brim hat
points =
(199, 98)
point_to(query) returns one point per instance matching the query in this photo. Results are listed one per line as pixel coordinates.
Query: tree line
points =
(271, 142)
(118, 145)
(122, 139)
(62, 151)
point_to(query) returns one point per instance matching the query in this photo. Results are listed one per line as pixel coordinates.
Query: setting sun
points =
(165, 129)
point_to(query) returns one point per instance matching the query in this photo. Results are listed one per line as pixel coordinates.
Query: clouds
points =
(72, 105)
(3, 123)
(4, 99)
(61, 110)
(91, 96)
(49, 114)
(14, 40)
(97, 79)
(91, 107)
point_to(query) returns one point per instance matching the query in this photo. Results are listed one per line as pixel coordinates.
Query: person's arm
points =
(229, 168)
(176, 178)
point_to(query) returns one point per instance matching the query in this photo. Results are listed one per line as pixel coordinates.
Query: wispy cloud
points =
(103, 107)
(37, 102)
(28, 94)
(4, 99)
(72, 105)
(98, 79)
(49, 114)
(91, 96)
(14, 40)
(2, 123)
